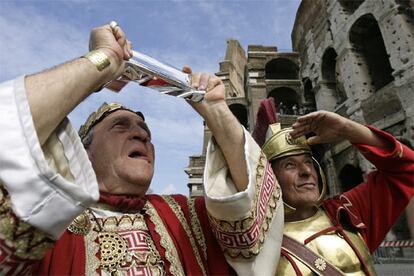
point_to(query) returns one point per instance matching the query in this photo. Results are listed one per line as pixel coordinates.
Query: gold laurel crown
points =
(104, 110)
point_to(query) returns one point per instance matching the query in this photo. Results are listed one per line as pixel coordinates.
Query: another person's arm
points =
(330, 127)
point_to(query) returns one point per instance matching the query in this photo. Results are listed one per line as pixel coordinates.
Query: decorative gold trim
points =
(92, 262)
(26, 241)
(105, 231)
(195, 223)
(166, 242)
(180, 215)
(239, 228)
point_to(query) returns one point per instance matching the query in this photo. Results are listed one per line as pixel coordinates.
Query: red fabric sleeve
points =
(66, 258)
(217, 263)
(381, 200)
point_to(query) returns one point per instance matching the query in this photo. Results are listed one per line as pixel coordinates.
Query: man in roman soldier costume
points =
(333, 236)
(70, 211)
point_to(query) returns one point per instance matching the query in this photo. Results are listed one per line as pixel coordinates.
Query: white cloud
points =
(169, 189)
(32, 42)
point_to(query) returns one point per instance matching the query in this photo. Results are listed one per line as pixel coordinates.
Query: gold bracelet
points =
(98, 58)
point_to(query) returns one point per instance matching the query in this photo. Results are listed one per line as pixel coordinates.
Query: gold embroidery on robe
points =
(166, 241)
(27, 241)
(195, 223)
(180, 215)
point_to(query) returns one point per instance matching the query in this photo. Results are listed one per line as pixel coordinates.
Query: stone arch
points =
(367, 41)
(282, 68)
(310, 103)
(330, 74)
(240, 112)
(350, 5)
(285, 98)
(350, 176)
(329, 66)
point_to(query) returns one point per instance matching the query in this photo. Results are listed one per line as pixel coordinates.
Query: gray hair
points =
(87, 140)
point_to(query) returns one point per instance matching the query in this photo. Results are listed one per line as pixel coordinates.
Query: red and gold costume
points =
(51, 223)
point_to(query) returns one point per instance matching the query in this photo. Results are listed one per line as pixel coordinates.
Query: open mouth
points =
(136, 154)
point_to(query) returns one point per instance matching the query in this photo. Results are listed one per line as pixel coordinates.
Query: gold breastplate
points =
(331, 246)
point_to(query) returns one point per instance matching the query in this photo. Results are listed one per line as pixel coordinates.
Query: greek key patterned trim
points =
(180, 215)
(246, 237)
(195, 223)
(24, 240)
(166, 241)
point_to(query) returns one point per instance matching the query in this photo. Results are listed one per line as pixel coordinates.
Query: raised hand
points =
(111, 37)
(112, 40)
(328, 127)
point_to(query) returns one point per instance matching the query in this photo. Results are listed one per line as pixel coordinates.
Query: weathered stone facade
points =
(352, 57)
(357, 59)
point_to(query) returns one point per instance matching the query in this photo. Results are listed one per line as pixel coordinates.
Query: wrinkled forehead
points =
(125, 116)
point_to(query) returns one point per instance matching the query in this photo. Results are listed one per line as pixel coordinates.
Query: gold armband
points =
(98, 58)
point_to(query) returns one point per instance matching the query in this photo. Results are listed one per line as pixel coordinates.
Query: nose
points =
(304, 170)
(138, 133)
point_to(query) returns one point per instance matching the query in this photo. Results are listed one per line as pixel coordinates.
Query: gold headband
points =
(97, 116)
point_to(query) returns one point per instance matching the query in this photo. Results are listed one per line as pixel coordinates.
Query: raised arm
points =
(54, 93)
(330, 127)
(225, 128)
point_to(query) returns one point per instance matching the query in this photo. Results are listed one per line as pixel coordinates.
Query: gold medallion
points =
(114, 249)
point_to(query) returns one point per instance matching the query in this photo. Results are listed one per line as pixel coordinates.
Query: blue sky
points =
(39, 34)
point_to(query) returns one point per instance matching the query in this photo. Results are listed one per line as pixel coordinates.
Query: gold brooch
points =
(320, 264)
(81, 225)
(114, 250)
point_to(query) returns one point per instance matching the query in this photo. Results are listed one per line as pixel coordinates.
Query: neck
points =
(300, 214)
(122, 188)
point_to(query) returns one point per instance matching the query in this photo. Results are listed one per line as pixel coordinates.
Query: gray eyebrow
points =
(125, 118)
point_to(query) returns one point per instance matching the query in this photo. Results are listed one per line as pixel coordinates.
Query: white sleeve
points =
(249, 224)
(48, 185)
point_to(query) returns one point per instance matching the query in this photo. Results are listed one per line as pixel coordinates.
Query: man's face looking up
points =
(122, 154)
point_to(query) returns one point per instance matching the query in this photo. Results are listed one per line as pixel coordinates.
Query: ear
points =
(88, 151)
